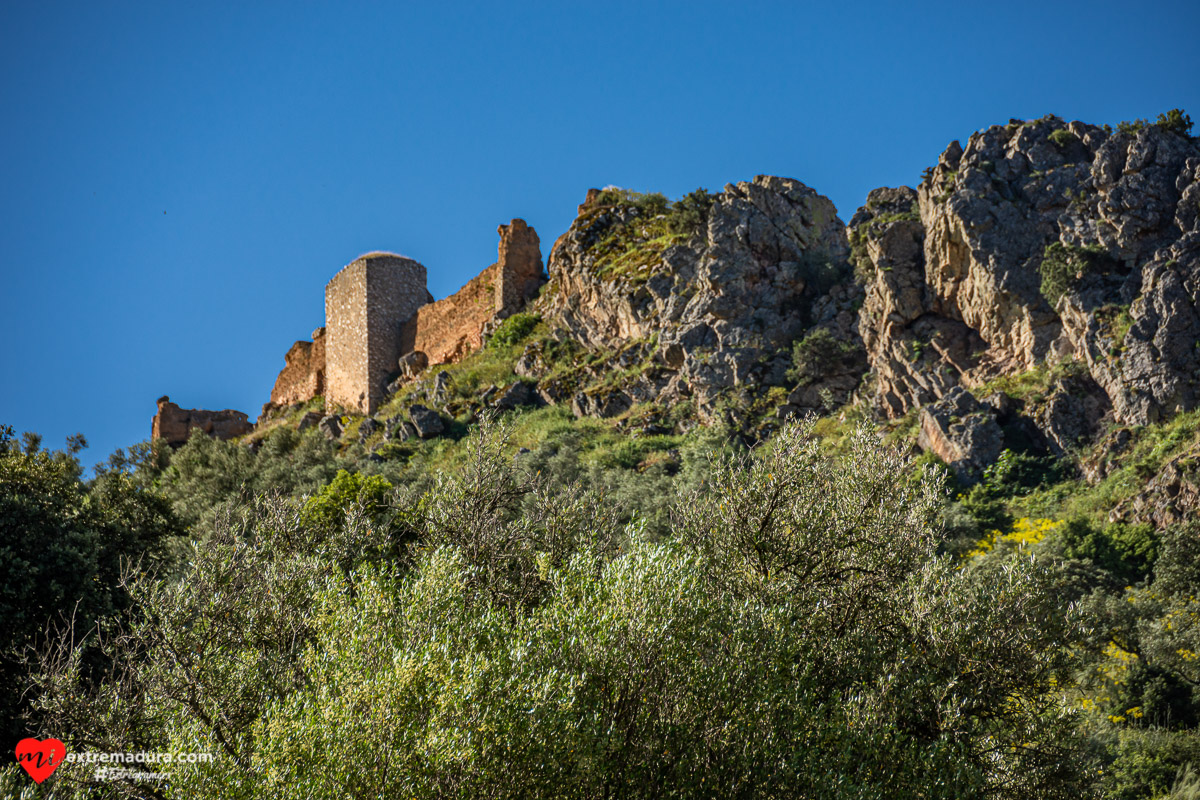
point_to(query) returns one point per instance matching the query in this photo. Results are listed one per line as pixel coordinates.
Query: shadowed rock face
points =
(175, 424)
(954, 290)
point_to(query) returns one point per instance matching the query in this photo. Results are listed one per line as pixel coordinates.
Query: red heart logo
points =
(40, 758)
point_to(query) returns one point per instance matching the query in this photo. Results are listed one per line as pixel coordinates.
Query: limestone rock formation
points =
(718, 305)
(175, 424)
(962, 432)
(1036, 242)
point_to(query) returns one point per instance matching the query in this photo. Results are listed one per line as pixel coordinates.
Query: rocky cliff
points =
(698, 301)
(1038, 244)
(1037, 292)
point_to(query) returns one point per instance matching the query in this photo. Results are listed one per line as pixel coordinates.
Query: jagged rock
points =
(1072, 413)
(368, 428)
(309, 420)
(954, 291)
(440, 392)
(331, 426)
(1151, 369)
(1170, 497)
(413, 364)
(1001, 403)
(603, 403)
(399, 430)
(962, 432)
(517, 395)
(1105, 455)
(426, 423)
(531, 363)
(724, 303)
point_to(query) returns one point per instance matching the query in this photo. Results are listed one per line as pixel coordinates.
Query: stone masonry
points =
(519, 267)
(377, 309)
(449, 329)
(366, 304)
(175, 424)
(303, 377)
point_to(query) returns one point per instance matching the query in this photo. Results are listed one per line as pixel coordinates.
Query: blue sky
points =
(179, 180)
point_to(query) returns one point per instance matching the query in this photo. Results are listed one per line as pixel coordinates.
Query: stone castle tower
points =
(366, 304)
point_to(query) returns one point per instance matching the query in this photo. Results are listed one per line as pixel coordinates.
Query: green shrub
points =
(1063, 137)
(1176, 120)
(1063, 266)
(817, 355)
(1126, 551)
(689, 214)
(514, 330)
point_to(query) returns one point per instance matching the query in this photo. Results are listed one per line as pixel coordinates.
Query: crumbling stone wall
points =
(519, 267)
(303, 374)
(175, 424)
(366, 305)
(449, 329)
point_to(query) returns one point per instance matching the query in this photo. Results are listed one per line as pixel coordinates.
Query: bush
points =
(1064, 266)
(817, 355)
(1127, 552)
(64, 544)
(689, 214)
(1176, 120)
(514, 330)
(797, 638)
(1063, 137)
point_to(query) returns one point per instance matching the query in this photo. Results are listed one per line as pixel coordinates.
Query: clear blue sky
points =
(179, 180)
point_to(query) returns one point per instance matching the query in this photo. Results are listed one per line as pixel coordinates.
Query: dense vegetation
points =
(543, 607)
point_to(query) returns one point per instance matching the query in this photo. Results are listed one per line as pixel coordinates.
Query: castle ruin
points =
(377, 310)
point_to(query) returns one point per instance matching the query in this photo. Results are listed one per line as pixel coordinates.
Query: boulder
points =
(962, 432)
(603, 403)
(309, 420)
(518, 395)
(426, 423)
(331, 426)
(368, 428)
(413, 364)
(1071, 414)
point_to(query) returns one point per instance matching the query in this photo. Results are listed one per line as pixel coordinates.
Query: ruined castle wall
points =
(449, 329)
(366, 305)
(175, 424)
(303, 374)
(519, 267)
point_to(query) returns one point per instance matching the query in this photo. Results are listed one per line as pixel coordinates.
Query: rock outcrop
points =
(1037, 242)
(713, 307)
(963, 433)
(176, 424)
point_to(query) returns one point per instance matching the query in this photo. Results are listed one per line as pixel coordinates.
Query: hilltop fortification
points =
(378, 310)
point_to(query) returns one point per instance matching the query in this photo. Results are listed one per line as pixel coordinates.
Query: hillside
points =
(904, 506)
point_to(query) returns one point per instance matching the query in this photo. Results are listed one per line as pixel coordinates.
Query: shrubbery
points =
(1064, 266)
(795, 636)
(514, 330)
